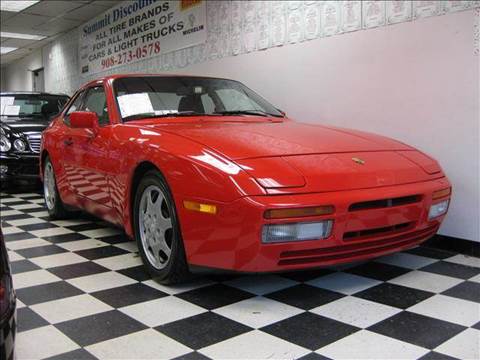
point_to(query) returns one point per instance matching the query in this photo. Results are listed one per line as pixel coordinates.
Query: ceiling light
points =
(4, 34)
(6, 49)
(16, 6)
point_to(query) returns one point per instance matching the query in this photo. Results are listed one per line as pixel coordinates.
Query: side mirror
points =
(282, 112)
(83, 119)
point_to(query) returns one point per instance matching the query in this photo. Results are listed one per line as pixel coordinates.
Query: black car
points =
(8, 313)
(24, 115)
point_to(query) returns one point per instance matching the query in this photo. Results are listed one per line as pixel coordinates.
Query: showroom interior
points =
(393, 268)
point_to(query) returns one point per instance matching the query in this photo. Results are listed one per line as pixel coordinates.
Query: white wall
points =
(17, 76)
(415, 81)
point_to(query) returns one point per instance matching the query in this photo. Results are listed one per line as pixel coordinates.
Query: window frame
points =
(86, 90)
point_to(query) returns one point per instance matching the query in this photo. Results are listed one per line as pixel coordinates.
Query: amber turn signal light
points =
(441, 193)
(196, 206)
(298, 212)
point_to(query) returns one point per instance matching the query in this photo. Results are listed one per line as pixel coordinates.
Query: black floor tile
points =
(15, 217)
(451, 269)
(115, 239)
(214, 296)
(310, 330)
(192, 356)
(202, 330)
(27, 319)
(77, 270)
(313, 356)
(128, 295)
(41, 251)
(378, 271)
(101, 252)
(100, 327)
(79, 354)
(467, 290)
(476, 326)
(394, 295)
(137, 273)
(430, 252)
(34, 209)
(305, 296)
(417, 329)
(306, 275)
(432, 355)
(18, 236)
(57, 239)
(22, 266)
(39, 226)
(47, 292)
(84, 227)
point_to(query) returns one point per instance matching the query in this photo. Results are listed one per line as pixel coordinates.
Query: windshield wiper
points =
(245, 112)
(151, 115)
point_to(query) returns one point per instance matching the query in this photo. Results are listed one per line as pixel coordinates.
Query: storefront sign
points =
(140, 29)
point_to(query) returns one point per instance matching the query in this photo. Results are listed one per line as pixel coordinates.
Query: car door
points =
(86, 154)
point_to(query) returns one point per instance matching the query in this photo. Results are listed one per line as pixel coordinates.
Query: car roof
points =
(29, 93)
(120, 76)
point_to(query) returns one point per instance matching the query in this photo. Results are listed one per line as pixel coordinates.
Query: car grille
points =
(385, 203)
(34, 140)
(387, 230)
(353, 250)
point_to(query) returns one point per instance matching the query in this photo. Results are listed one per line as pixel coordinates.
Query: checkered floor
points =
(83, 294)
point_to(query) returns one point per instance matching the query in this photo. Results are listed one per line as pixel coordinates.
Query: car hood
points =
(243, 140)
(23, 125)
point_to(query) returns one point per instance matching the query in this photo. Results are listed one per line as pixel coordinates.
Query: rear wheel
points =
(53, 202)
(157, 231)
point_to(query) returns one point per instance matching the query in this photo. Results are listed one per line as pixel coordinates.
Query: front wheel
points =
(53, 202)
(157, 231)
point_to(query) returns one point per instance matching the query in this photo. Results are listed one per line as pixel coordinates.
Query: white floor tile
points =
(161, 311)
(120, 261)
(261, 284)
(13, 256)
(51, 232)
(31, 278)
(447, 308)
(70, 308)
(343, 283)
(42, 342)
(42, 213)
(71, 222)
(355, 311)
(179, 288)
(27, 221)
(145, 344)
(426, 281)
(82, 244)
(26, 206)
(254, 345)
(465, 345)
(66, 258)
(367, 345)
(11, 230)
(128, 246)
(7, 200)
(25, 244)
(409, 261)
(10, 212)
(464, 260)
(258, 311)
(476, 278)
(97, 282)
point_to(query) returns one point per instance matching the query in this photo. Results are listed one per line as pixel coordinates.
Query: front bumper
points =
(23, 167)
(231, 239)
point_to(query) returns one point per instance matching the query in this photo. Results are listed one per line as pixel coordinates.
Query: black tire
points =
(175, 269)
(57, 210)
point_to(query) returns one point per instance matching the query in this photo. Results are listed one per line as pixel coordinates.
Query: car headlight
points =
(275, 233)
(20, 145)
(438, 209)
(5, 144)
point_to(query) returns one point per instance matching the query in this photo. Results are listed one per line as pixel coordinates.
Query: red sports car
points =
(203, 172)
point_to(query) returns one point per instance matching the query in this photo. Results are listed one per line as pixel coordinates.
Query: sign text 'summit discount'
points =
(136, 30)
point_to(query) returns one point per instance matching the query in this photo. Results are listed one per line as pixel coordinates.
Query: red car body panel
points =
(246, 165)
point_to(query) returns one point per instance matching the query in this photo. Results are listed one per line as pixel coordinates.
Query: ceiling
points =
(49, 18)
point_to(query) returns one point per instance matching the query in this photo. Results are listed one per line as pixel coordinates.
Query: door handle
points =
(68, 142)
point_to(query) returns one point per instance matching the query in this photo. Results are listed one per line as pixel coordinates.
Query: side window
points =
(96, 101)
(74, 107)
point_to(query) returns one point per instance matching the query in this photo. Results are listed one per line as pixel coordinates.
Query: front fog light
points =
(19, 145)
(276, 233)
(5, 144)
(438, 209)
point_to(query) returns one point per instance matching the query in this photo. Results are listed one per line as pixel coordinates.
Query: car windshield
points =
(159, 96)
(30, 106)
